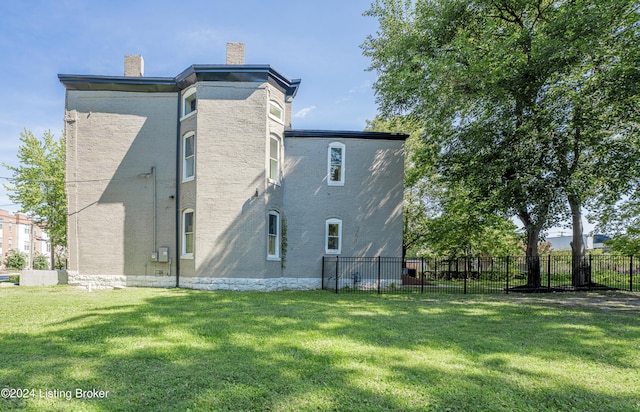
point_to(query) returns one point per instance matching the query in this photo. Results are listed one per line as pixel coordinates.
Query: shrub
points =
(40, 262)
(16, 259)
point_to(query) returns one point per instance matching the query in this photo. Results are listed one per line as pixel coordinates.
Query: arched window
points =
(188, 243)
(273, 235)
(333, 237)
(276, 112)
(189, 102)
(188, 156)
(274, 159)
(335, 164)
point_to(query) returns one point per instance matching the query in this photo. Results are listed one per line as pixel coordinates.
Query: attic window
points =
(189, 102)
(276, 112)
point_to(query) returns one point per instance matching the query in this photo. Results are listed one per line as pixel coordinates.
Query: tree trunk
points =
(533, 259)
(53, 256)
(579, 275)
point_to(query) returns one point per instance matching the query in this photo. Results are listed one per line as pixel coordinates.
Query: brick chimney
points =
(235, 53)
(133, 66)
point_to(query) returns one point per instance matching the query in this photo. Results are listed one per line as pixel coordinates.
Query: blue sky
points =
(316, 41)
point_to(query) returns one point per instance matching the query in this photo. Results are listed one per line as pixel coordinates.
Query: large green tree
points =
(441, 218)
(514, 92)
(38, 184)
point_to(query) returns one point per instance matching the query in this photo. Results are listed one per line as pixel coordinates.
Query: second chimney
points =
(235, 53)
(133, 66)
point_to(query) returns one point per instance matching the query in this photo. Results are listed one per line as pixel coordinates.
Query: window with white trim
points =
(188, 156)
(276, 112)
(189, 102)
(274, 159)
(333, 237)
(335, 164)
(273, 235)
(187, 233)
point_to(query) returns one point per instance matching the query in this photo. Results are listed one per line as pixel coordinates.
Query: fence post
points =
(466, 264)
(589, 272)
(422, 275)
(337, 259)
(549, 272)
(631, 273)
(506, 289)
(379, 268)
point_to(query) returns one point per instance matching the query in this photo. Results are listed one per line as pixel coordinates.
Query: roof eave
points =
(344, 134)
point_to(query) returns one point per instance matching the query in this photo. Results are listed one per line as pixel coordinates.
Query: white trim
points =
(328, 222)
(276, 255)
(184, 158)
(183, 247)
(342, 147)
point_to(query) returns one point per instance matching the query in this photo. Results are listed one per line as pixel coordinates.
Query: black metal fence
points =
(479, 274)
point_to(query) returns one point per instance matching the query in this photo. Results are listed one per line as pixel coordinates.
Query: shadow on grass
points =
(190, 350)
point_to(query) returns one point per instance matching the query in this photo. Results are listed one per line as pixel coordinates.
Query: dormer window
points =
(189, 102)
(276, 112)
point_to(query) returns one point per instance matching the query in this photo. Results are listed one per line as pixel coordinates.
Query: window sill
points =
(189, 257)
(276, 119)
(273, 259)
(189, 179)
(332, 252)
(330, 183)
(185, 117)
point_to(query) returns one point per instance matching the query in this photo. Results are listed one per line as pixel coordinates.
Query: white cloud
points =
(364, 87)
(302, 113)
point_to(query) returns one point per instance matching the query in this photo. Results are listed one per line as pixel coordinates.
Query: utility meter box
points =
(163, 254)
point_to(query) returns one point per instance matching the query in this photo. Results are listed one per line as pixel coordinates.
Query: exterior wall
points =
(121, 154)
(230, 219)
(369, 204)
(188, 189)
(274, 192)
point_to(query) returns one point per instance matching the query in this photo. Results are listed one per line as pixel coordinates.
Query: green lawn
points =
(155, 349)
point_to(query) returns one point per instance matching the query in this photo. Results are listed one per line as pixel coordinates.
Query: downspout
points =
(177, 199)
(155, 209)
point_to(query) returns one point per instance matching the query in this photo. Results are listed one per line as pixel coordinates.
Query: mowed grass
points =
(180, 350)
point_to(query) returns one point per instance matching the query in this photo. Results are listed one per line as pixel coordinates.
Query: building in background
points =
(591, 242)
(17, 231)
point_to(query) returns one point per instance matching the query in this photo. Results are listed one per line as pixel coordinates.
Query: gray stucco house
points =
(199, 181)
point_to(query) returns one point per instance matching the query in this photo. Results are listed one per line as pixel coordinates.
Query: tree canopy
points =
(532, 103)
(38, 184)
(441, 218)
